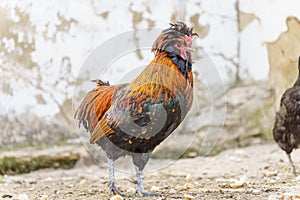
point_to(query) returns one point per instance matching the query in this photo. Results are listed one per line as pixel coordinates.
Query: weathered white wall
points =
(263, 22)
(44, 44)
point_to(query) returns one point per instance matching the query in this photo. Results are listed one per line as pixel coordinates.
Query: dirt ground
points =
(257, 172)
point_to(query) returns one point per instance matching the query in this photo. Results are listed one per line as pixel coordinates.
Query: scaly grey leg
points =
(112, 187)
(140, 189)
(291, 163)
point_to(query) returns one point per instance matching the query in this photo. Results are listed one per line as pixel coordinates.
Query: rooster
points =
(286, 130)
(133, 118)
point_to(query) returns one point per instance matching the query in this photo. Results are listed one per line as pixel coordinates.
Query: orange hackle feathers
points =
(163, 72)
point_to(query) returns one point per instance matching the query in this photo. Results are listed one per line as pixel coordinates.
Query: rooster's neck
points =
(184, 66)
(162, 74)
(169, 70)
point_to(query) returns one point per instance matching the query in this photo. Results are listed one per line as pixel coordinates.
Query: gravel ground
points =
(256, 172)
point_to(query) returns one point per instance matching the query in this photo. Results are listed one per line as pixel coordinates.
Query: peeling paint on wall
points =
(245, 19)
(201, 30)
(265, 28)
(17, 41)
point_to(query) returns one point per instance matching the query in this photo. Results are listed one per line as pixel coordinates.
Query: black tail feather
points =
(101, 83)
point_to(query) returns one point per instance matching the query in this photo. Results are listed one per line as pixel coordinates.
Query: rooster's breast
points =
(144, 125)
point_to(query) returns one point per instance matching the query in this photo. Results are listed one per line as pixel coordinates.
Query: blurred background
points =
(253, 44)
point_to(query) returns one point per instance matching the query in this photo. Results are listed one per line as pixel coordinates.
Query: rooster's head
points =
(175, 41)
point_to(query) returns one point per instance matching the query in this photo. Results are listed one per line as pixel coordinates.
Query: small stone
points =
(192, 154)
(23, 197)
(90, 191)
(256, 191)
(116, 197)
(82, 182)
(188, 197)
(239, 183)
(44, 197)
(272, 181)
(287, 168)
(154, 189)
(270, 173)
(188, 177)
(172, 191)
(189, 186)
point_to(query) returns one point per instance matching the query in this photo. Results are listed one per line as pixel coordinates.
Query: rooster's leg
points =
(112, 187)
(140, 160)
(140, 189)
(291, 163)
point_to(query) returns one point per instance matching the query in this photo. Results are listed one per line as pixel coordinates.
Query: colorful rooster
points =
(133, 118)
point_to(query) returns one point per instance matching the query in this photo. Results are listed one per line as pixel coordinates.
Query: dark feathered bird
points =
(133, 118)
(286, 130)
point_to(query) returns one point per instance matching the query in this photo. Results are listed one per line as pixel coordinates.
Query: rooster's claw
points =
(144, 193)
(114, 190)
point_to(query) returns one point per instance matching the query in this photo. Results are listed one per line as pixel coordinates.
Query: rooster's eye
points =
(179, 45)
